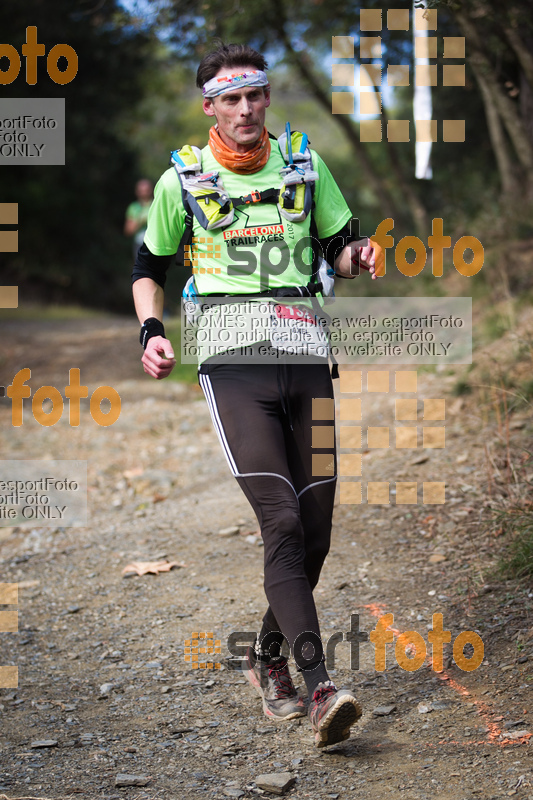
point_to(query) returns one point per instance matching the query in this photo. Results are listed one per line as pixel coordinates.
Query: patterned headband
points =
(225, 83)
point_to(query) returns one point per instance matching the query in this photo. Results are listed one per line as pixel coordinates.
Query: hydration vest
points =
(205, 197)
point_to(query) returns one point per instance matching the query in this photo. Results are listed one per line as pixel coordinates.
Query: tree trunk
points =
(497, 137)
(522, 52)
(504, 105)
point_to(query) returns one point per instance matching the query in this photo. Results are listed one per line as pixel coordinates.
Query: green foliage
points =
(461, 388)
(495, 325)
(71, 218)
(516, 523)
(526, 390)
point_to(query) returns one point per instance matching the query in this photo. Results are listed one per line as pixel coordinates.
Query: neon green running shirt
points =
(257, 250)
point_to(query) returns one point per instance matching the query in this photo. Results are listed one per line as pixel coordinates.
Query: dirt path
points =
(101, 658)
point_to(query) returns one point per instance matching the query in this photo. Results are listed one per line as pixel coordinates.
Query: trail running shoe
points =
(274, 684)
(332, 713)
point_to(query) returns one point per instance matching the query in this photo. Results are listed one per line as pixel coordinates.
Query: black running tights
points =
(263, 416)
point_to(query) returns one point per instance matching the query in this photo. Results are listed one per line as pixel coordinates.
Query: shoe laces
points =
(279, 673)
(322, 694)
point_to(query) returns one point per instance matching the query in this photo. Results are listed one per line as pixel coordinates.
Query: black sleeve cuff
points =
(148, 265)
(332, 245)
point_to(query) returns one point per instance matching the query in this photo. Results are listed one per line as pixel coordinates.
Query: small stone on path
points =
(383, 711)
(231, 531)
(123, 779)
(44, 743)
(276, 782)
(516, 734)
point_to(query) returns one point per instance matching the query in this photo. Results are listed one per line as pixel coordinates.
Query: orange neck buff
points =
(242, 163)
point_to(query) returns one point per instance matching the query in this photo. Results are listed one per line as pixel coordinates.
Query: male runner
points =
(262, 412)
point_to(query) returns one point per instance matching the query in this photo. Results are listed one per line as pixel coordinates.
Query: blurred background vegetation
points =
(134, 100)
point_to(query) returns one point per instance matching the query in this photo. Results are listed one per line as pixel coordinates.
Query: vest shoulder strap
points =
(199, 190)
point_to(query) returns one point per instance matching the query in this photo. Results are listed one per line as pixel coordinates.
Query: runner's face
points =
(240, 113)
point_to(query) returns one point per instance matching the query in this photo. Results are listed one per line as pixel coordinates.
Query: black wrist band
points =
(151, 327)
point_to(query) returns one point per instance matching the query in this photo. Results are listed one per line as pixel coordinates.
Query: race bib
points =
(296, 331)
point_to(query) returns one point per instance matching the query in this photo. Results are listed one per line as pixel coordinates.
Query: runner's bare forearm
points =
(149, 298)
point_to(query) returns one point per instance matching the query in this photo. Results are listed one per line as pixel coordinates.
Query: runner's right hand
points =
(158, 358)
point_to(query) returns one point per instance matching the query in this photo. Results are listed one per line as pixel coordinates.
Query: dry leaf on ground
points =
(152, 567)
